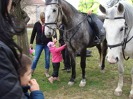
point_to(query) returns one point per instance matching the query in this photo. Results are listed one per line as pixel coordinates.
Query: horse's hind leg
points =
(83, 66)
(102, 49)
(131, 92)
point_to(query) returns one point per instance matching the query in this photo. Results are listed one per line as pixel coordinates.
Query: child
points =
(26, 82)
(56, 59)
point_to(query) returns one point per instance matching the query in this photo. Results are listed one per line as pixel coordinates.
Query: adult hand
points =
(90, 12)
(34, 85)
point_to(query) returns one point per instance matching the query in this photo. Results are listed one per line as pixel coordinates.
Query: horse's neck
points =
(71, 15)
(72, 20)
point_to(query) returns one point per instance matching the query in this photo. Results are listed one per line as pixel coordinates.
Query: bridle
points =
(125, 40)
(56, 21)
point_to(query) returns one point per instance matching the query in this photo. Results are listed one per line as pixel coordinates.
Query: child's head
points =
(25, 70)
(51, 44)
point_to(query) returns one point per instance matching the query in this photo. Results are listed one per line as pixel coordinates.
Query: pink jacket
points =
(56, 53)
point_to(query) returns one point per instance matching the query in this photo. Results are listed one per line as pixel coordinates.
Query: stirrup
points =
(97, 40)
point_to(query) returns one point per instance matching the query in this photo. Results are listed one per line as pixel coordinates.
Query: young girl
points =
(56, 59)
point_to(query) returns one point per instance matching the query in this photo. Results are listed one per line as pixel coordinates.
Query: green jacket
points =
(86, 5)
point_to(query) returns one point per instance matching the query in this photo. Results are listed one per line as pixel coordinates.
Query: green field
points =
(99, 85)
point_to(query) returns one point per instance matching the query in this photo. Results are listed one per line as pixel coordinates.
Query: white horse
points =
(119, 34)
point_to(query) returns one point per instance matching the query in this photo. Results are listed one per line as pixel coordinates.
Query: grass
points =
(99, 85)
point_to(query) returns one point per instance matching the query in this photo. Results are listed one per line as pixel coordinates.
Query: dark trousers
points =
(56, 67)
(98, 24)
(66, 58)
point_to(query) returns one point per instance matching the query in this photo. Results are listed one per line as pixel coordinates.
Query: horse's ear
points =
(120, 8)
(103, 10)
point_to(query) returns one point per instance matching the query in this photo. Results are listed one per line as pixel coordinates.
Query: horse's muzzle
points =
(112, 60)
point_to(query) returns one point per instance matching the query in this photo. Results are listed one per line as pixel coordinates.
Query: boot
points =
(47, 73)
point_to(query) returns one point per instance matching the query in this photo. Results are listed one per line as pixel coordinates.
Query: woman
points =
(9, 61)
(41, 44)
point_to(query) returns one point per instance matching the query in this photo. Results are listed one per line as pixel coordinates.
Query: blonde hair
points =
(42, 15)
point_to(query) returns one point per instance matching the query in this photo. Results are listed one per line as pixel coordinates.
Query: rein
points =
(124, 42)
(77, 28)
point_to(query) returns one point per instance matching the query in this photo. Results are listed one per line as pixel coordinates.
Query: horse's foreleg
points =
(131, 92)
(73, 76)
(118, 90)
(83, 66)
(102, 49)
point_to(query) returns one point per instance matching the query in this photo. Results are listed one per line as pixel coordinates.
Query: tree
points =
(22, 16)
(86, 5)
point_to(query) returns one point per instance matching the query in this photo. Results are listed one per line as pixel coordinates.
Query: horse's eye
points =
(54, 10)
(121, 29)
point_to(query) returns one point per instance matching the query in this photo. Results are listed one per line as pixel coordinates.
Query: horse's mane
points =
(128, 14)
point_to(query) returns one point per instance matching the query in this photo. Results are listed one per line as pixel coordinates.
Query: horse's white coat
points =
(115, 35)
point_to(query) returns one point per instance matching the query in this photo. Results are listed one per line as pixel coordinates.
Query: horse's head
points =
(115, 28)
(53, 17)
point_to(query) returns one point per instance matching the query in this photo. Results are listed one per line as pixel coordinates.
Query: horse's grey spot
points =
(54, 10)
(121, 29)
(48, 16)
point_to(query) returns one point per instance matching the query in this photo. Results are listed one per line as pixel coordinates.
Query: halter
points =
(56, 21)
(125, 40)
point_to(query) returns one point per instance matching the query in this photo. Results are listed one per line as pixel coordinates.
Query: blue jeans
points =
(38, 51)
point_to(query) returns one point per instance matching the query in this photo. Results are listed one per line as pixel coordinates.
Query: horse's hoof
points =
(131, 96)
(118, 93)
(102, 71)
(70, 83)
(82, 83)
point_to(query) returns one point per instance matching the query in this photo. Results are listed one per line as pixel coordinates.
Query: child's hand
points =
(65, 45)
(34, 85)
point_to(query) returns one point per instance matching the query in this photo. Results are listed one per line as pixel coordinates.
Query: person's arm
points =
(60, 48)
(9, 79)
(34, 31)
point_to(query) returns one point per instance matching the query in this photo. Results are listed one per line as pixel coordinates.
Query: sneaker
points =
(47, 74)
(56, 78)
(68, 70)
(51, 79)
(64, 69)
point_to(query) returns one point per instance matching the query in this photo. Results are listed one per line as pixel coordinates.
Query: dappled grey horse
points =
(78, 34)
(119, 35)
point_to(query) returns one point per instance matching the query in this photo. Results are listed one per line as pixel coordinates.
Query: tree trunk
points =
(22, 40)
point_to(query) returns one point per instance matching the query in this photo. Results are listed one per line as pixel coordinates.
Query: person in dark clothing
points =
(65, 53)
(27, 83)
(9, 59)
(41, 43)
